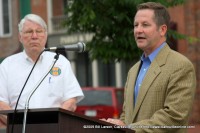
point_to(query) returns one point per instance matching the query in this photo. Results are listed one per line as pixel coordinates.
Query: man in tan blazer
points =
(160, 88)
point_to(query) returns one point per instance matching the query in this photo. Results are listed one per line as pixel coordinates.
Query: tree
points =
(111, 22)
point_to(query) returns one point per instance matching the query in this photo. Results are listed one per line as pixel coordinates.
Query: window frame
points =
(2, 34)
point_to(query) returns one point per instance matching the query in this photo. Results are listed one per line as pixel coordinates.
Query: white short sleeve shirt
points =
(59, 85)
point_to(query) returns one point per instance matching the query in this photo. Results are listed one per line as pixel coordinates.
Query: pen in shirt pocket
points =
(49, 80)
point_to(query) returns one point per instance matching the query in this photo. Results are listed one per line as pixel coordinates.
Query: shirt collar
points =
(28, 58)
(152, 56)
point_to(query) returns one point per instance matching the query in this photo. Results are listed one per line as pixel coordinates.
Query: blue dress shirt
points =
(146, 62)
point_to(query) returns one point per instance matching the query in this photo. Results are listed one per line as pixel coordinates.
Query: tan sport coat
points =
(165, 97)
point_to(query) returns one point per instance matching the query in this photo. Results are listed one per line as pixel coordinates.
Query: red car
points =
(101, 102)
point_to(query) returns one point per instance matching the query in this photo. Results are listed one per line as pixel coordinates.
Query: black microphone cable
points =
(26, 106)
(15, 110)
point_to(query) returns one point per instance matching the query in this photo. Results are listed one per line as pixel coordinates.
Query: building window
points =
(5, 18)
(106, 74)
(84, 69)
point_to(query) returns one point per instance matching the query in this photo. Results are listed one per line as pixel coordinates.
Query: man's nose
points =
(34, 34)
(138, 29)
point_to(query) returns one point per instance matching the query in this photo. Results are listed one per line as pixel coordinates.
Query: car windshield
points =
(94, 97)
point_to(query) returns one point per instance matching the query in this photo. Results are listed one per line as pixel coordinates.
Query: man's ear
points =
(20, 37)
(163, 30)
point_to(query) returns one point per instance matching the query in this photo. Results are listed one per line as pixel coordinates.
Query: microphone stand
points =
(33, 90)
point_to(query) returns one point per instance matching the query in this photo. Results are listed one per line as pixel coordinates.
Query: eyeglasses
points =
(39, 32)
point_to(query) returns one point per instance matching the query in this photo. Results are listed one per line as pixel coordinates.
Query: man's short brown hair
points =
(162, 16)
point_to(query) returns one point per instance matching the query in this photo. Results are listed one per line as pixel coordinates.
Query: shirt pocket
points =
(55, 87)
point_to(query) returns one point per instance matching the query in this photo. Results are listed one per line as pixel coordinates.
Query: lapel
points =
(130, 90)
(153, 71)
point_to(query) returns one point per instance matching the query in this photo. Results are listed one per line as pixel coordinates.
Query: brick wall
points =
(187, 17)
(10, 45)
(39, 7)
(192, 19)
(58, 7)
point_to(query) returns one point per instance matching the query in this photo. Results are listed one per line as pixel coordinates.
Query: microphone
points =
(79, 47)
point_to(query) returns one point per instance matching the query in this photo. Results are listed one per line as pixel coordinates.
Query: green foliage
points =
(111, 21)
(176, 36)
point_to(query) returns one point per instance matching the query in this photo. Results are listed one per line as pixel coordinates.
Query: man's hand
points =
(3, 118)
(3, 121)
(114, 121)
(4, 106)
(69, 104)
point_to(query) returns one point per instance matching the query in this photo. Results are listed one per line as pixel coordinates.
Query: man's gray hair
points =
(34, 18)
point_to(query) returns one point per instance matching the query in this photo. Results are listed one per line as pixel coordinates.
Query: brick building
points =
(9, 17)
(186, 18)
